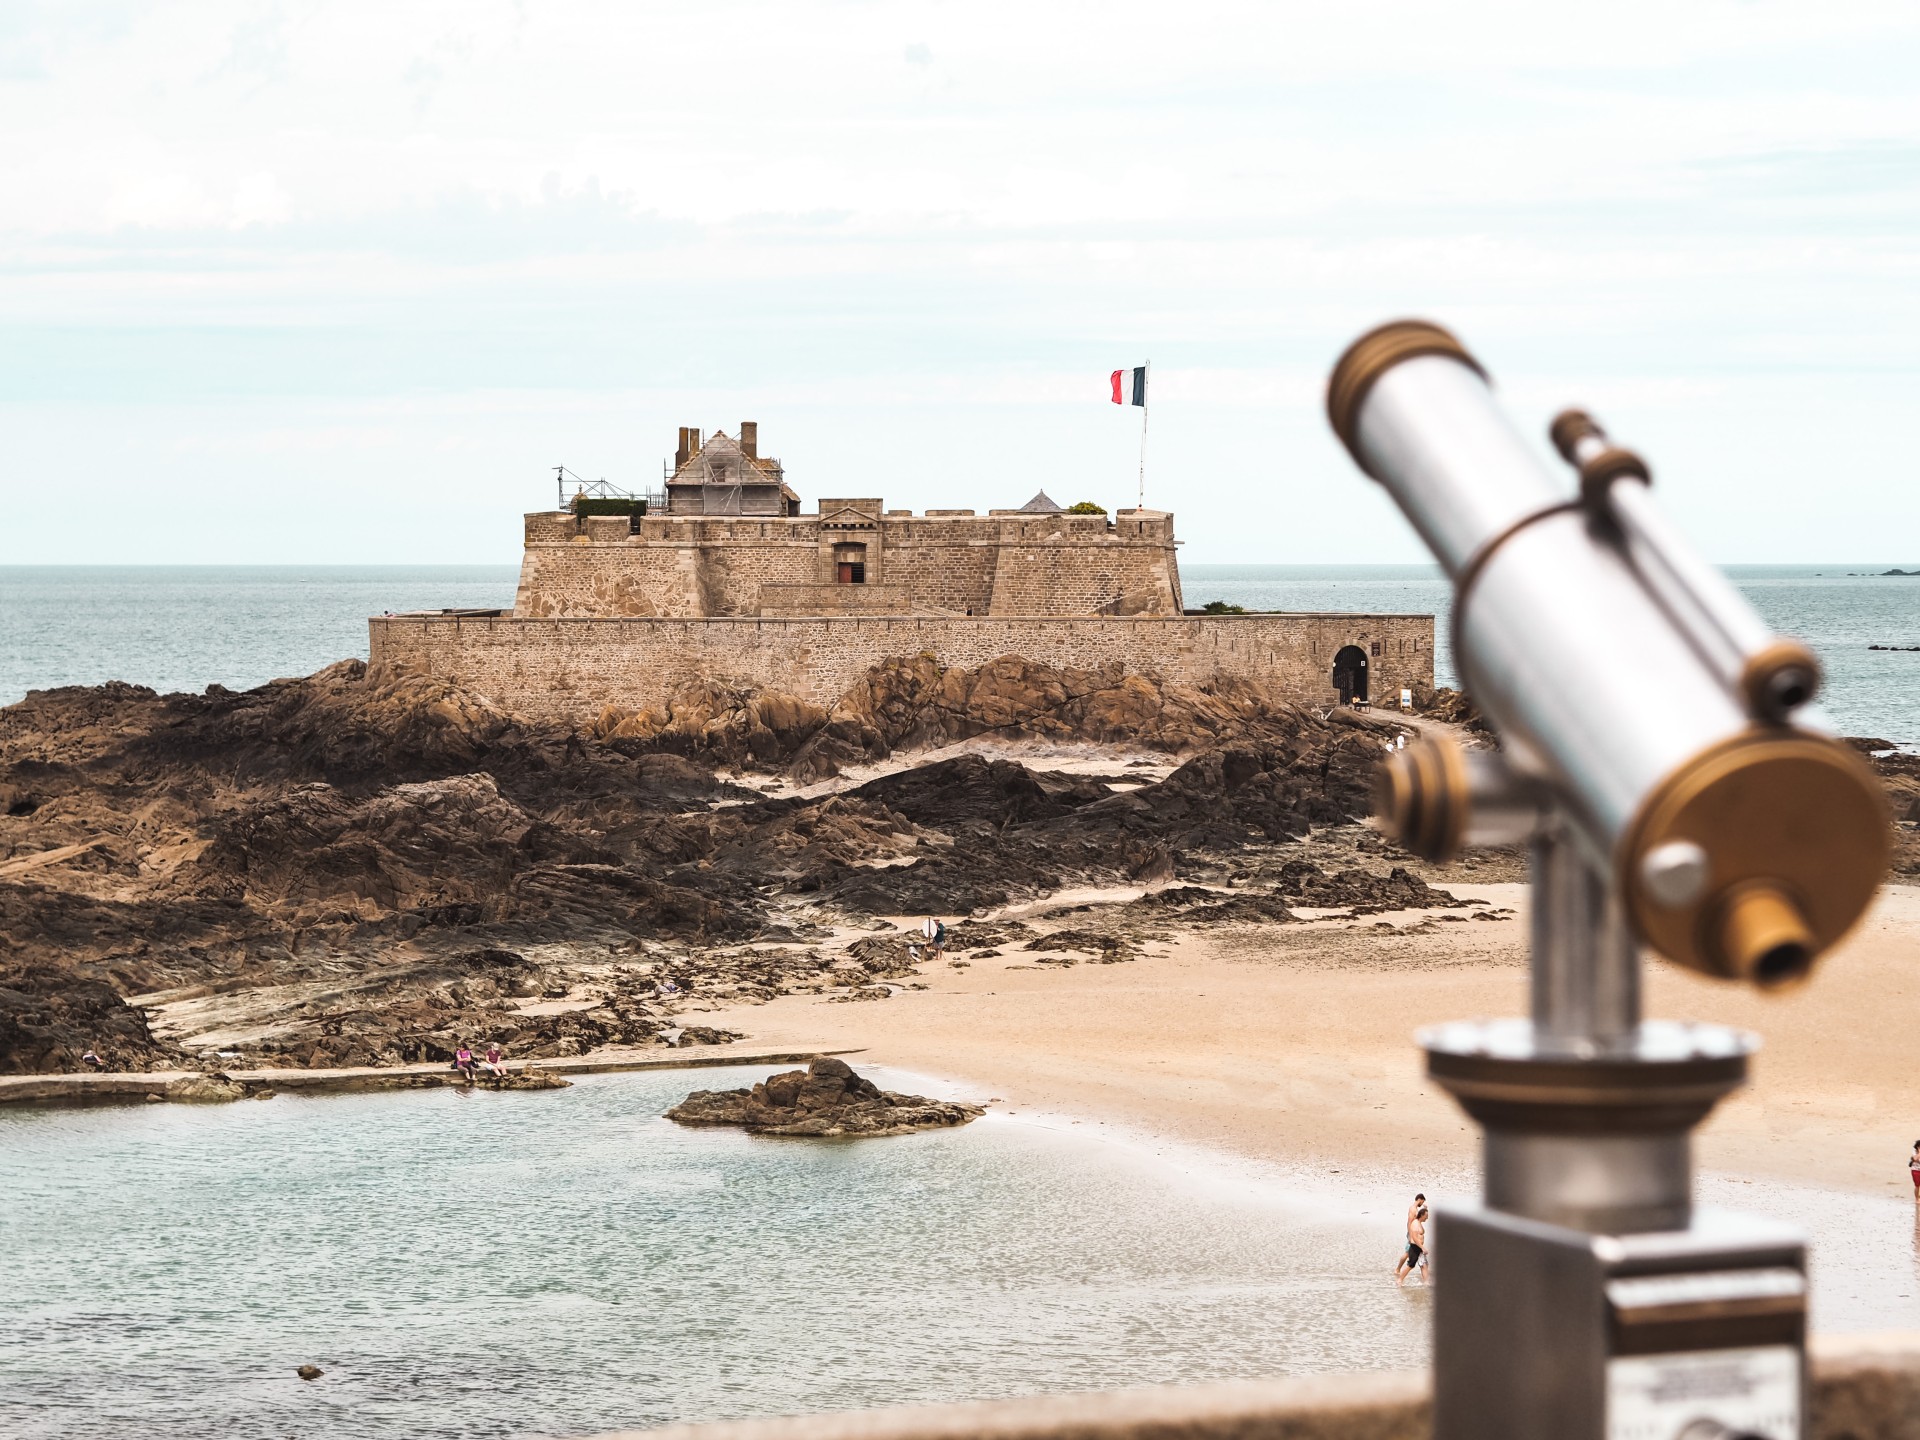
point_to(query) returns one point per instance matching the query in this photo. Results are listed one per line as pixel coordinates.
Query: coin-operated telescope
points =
(1661, 755)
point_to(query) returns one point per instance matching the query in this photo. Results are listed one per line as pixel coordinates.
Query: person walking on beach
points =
(936, 933)
(1416, 1256)
(1913, 1169)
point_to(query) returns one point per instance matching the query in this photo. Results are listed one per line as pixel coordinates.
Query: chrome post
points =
(1585, 965)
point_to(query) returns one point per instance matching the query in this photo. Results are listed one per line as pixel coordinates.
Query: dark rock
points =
(827, 1098)
(707, 1035)
(531, 1078)
(206, 1090)
(386, 850)
(1101, 949)
(51, 1017)
(309, 1372)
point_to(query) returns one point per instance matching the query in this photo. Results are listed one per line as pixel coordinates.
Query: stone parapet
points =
(569, 669)
(1864, 1388)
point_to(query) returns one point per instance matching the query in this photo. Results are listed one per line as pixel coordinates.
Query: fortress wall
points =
(939, 574)
(569, 669)
(686, 566)
(558, 580)
(1083, 580)
(635, 576)
(732, 573)
(794, 600)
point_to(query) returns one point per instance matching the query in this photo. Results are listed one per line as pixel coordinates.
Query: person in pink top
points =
(1913, 1169)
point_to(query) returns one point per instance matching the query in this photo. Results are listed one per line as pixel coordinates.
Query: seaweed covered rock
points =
(827, 1098)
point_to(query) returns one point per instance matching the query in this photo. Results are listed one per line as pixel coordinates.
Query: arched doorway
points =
(1350, 674)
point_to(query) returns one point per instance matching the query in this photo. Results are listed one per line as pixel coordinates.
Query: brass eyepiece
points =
(1792, 835)
(1420, 797)
(1763, 936)
(1569, 428)
(1778, 680)
(1585, 446)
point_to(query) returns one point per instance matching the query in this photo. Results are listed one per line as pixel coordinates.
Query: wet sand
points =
(1291, 1043)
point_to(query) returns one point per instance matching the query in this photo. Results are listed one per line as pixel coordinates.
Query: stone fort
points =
(721, 577)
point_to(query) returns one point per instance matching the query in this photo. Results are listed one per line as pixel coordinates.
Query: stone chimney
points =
(750, 439)
(680, 450)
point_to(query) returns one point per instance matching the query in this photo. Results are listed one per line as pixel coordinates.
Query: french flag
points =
(1130, 386)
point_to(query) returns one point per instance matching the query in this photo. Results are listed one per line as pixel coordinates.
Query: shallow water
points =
(563, 1262)
(560, 1262)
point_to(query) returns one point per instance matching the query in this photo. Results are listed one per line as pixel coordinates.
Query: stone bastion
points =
(570, 669)
(624, 609)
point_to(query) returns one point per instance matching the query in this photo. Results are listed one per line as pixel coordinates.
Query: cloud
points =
(350, 206)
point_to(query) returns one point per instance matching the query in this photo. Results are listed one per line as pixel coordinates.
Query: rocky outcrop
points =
(381, 852)
(50, 1018)
(915, 702)
(827, 1098)
(1899, 772)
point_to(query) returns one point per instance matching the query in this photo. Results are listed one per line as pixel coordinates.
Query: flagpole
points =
(1146, 404)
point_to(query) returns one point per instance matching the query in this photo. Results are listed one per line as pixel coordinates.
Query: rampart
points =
(733, 583)
(568, 669)
(852, 556)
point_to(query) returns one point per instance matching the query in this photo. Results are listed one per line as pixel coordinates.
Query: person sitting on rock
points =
(463, 1061)
(666, 989)
(92, 1059)
(496, 1061)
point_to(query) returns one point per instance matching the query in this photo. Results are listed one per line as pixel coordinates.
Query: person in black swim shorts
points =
(1416, 1255)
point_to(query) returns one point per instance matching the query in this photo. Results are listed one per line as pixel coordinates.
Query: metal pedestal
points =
(1584, 1300)
(1545, 1331)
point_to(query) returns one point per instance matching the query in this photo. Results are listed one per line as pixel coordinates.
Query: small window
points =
(1376, 647)
(850, 564)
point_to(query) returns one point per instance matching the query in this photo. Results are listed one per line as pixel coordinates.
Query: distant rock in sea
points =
(827, 1098)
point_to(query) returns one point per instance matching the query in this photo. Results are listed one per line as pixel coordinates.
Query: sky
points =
(343, 282)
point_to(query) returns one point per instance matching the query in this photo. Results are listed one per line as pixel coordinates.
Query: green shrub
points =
(1221, 607)
(585, 505)
(1086, 507)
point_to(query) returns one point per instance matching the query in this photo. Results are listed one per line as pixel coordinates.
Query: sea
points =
(551, 1263)
(541, 1264)
(187, 627)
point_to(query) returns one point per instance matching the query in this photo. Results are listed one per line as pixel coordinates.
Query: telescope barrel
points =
(1772, 677)
(1610, 682)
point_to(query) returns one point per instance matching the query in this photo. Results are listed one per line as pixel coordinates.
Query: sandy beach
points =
(1292, 1043)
